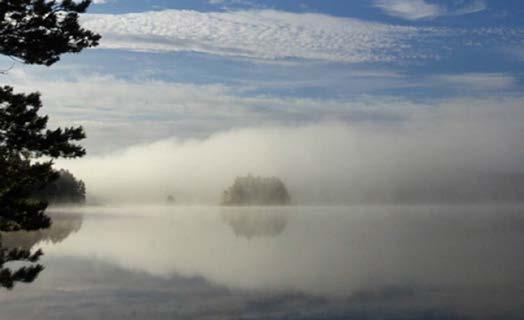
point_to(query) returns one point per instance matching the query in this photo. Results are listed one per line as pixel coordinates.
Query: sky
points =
(448, 73)
(192, 68)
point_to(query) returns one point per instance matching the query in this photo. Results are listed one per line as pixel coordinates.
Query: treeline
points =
(251, 190)
(65, 189)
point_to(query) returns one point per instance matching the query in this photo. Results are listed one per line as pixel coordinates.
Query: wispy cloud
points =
(421, 9)
(409, 9)
(478, 81)
(260, 34)
(236, 3)
(468, 8)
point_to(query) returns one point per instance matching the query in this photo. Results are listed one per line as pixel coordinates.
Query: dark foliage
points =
(35, 32)
(24, 137)
(252, 190)
(65, 189)
(39, 31)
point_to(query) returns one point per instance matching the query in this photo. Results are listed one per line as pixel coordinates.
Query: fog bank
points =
(330, 162)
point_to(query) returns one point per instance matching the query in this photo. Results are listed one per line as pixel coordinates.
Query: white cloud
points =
(478, 81)
(259, 34)
(409, 9)
(421, 9)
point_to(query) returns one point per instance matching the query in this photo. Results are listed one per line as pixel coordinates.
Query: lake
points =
(361, 262)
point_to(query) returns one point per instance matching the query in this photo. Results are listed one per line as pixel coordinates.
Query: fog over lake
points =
(438, 157)
(450, 262)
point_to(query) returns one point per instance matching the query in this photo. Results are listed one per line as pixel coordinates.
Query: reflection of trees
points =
(17, 247)
(255, 222)
(26, 274)
(63, 225)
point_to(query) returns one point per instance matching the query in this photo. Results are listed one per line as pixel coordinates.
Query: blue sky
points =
(188, 69)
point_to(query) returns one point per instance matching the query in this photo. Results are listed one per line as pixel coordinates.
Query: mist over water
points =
(469, 148)
(387, 262)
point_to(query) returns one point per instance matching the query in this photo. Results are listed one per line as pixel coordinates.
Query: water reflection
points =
(346, 249)
(18, 257)
(26, 274)
(255, 222)
(293, 263)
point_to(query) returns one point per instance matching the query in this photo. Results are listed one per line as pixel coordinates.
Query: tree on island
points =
(250, 190)
(33, 32)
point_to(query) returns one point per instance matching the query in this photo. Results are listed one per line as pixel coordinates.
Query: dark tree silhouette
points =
(65, 189)
(24, 137)
(39, 31)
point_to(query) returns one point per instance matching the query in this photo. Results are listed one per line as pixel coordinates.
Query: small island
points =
(257, 191)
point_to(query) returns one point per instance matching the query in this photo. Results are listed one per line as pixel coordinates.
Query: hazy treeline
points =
(65, 189)
(251, 190)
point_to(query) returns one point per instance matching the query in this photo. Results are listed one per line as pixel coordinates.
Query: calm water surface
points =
(372, 262)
